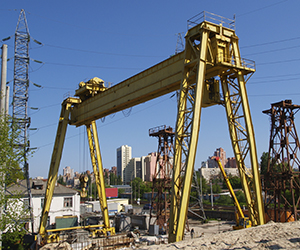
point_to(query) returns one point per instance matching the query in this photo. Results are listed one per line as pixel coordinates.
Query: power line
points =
(99, 52)
(274, 76)
(270, 51)
(282, 61)
(262, 8)
(91, 66)
(271, 42)
(277, 80)
(281, 94)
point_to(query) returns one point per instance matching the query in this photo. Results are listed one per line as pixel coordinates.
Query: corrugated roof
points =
(37, 189)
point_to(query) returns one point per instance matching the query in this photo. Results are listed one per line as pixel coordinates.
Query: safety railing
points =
(159, 129)
(237, 61)
(210, 17)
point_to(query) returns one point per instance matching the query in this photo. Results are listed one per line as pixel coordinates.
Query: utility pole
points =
(7, 100)
(211, 196)
(3, 111)
(3, 97)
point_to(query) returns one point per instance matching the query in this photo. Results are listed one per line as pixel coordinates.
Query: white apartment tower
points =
(123, 157)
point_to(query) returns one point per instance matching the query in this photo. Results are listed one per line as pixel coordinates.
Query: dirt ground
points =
(219, 235)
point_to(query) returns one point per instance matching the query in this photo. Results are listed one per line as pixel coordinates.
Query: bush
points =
(14, 240)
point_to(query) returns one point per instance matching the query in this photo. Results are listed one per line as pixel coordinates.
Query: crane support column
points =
(233, 124)
(187, 129)
(242, 137)
(98, 172)
(259, 207)
(55, 160)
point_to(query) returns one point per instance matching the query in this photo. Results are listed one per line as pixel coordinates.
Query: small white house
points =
(65, 201)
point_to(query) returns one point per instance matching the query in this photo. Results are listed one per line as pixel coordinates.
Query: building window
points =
(42, 202)
(68, 202)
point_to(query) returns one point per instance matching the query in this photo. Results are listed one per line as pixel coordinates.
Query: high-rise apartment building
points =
(220, 152)
(135, 168)
(150, 166)
(123, 157)
(68, 172)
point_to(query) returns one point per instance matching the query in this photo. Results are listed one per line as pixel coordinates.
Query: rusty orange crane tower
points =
(282, 178)
(162, 179)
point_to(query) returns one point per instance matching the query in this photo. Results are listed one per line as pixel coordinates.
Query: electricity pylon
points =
(20, 97)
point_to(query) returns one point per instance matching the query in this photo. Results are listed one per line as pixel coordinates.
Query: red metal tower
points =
(282, 179)
(162, 178)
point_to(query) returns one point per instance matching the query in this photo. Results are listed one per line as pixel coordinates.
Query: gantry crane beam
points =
(154, 82)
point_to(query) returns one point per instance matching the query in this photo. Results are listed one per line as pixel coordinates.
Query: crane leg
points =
(98, 172)
(187, 131)
(55, 160)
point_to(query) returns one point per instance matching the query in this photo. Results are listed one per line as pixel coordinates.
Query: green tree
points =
(12, 221)
(60, 180)
(119, 180)
(240, 197)
(9, 154)
(106, 178)
(120, 191)
(264, 163)
(216, 188)
(139, 187)
(224, 200)
(235, 182)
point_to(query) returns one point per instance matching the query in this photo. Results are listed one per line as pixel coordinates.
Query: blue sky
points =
(114, 40)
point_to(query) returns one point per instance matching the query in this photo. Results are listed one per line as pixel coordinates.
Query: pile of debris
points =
(269, 236)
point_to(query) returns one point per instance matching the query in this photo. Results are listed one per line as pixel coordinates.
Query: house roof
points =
(37, 188)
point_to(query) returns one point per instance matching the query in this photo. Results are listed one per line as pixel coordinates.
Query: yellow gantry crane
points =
(211, 61)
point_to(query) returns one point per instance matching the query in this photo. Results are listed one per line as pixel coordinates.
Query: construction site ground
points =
(219, 235)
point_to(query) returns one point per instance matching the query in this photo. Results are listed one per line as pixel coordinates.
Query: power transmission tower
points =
(179, 44)
(20, 96)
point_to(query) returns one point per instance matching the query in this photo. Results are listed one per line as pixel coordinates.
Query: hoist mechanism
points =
(210, 71)
(83, 178)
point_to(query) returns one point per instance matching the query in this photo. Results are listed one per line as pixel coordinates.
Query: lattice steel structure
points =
(212, 58)
(20, 93)
(282, 179)
(161, 180)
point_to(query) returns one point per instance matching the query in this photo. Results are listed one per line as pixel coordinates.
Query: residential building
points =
(231, 162)
(113, 170)
(68, 171)
(123, 157)
(65, 201)
(213, 173)
(150, 166)
(130, 171)
(204, 164)
(220, 152)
